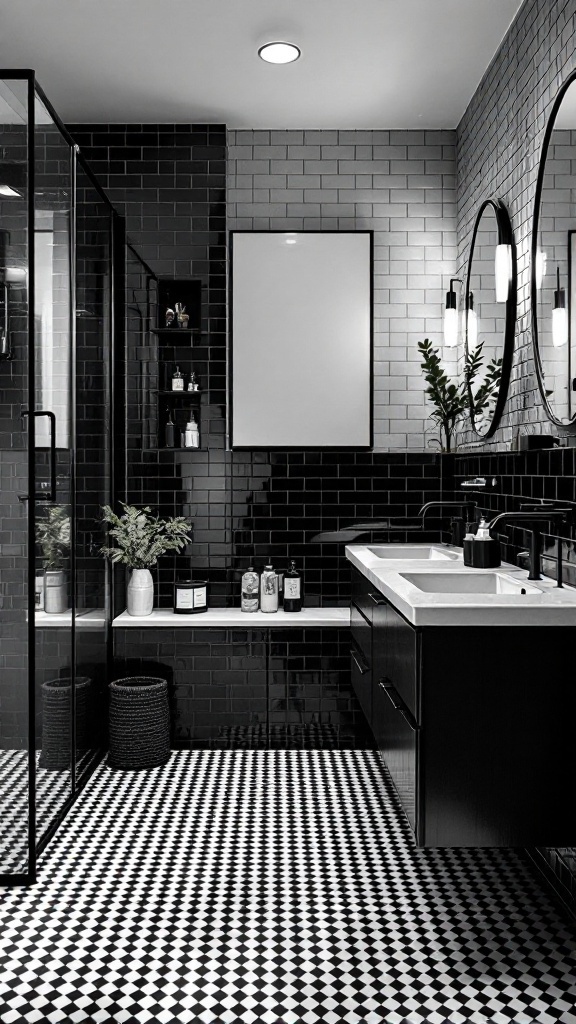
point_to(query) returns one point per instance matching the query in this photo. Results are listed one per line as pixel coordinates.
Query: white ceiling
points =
(364, 64)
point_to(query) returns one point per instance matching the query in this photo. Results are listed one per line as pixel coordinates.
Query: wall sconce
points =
(503, 271)
(451, 316)
(471, 324)
(559, 315)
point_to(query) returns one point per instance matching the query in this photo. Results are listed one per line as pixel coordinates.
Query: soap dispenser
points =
(485, 550)
(468, 543)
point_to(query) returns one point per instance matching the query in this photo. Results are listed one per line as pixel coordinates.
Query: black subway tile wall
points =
(246, 507)
(251, 688)
(521, 477)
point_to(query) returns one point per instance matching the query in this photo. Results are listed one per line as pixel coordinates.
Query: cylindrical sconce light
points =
(471, 324)
(503, 271)
(451, 316)
(559, 315)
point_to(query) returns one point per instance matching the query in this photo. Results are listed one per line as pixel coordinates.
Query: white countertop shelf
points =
(94, 619)
(233, 617)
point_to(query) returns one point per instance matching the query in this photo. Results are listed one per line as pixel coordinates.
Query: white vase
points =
(55, 591)
(140, 594)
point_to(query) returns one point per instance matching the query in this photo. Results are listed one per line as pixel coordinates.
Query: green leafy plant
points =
(53, 536)
(451, 400)
(141, 537)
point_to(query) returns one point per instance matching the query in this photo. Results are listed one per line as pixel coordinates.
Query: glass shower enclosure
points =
(58, 236)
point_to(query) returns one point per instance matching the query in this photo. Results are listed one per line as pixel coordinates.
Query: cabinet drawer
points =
(396, 734)
(365, 595)
(361, 631)
(361, 681)
(395, 655)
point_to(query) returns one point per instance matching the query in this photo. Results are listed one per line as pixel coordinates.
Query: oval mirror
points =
(553, 280)
(490, 315)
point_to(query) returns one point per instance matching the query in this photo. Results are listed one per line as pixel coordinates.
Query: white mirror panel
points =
(301, 365)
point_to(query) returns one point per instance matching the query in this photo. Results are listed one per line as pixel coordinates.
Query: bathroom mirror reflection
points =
(553, 262)
(301, 339)
(490, 314)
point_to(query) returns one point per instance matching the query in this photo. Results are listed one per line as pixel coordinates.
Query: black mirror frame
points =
(505, 237)
(570, 427)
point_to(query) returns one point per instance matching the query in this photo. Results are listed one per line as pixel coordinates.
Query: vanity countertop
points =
(543, 604)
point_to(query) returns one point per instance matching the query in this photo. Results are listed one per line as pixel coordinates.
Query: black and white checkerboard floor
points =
(52, 791)
(274, 886)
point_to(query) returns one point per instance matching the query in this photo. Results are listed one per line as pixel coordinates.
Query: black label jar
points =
(190, 597)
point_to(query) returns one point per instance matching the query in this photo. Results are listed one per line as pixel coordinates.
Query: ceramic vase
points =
(55, 591)
(140, 594)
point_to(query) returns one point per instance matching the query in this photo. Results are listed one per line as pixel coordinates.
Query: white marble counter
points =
(543, 604)
(233, 617)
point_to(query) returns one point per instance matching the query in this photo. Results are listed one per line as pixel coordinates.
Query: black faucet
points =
(457, 526)
(533, 516)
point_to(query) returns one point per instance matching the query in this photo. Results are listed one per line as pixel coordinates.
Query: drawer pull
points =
(376, 598)
(363, 669)
(397, 703)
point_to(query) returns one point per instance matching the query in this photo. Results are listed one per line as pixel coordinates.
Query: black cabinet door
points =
(361, 660)
(394, 703)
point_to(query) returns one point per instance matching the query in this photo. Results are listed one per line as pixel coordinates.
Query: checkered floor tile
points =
(52, 791)
(274, 886)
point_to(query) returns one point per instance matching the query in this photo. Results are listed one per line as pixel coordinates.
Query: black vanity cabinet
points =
(394, 701)
(475, 725)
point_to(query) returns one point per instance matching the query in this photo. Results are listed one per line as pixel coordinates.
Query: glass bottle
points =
(177, 380)
(292, 589)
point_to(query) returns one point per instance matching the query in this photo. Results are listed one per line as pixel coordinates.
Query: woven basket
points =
(57, 720)
(139, 723)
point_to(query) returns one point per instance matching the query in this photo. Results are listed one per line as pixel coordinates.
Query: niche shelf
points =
(171, 341)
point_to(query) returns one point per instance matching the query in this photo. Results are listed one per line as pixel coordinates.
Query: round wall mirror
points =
(553, 280)
(490, 315)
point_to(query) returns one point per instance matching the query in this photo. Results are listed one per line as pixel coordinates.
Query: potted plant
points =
(53, 536)
(453, 400)
(139, 539)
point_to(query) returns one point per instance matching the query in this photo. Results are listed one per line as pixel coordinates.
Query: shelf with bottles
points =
(178, 425)
(179, 308)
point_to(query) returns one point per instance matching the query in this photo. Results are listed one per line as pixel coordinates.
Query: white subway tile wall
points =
(402, 185)
(499, 143)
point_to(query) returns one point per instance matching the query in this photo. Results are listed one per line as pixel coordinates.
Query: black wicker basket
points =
(57, 720)
(139, 723)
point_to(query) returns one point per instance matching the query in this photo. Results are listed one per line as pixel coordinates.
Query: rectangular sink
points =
(417, 552)
(468, 583)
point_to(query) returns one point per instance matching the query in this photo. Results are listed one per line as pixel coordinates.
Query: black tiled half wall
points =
(251, 688)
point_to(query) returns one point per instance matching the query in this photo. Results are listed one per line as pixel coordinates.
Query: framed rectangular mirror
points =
(301, 339)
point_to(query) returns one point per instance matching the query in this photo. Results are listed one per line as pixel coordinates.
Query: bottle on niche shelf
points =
(191, 436)
(292, 589)
(269, 590)
(177, 380)
(170, 431)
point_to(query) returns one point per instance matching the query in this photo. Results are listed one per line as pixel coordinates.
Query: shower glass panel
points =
(53, 489)
(16, 446)
(57, 289)
(93, 384)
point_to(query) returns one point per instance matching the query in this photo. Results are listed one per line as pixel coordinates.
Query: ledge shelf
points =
(233, 617)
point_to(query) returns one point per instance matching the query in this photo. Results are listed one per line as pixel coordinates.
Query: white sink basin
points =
(418, 552)
(468, 583)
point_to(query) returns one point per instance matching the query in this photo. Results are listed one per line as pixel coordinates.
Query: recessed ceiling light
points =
(279, 53)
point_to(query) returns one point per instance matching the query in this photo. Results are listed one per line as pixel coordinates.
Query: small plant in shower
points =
(453, 400)
(53, 538)
(139, 539)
